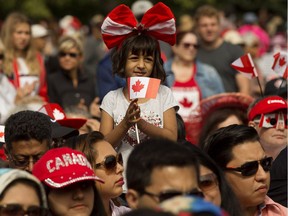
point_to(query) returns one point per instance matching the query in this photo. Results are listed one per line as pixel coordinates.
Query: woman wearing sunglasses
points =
(107, 165)
(213, 184)
(190, 79)
(237, 151)
(21, 194)
(70, 85)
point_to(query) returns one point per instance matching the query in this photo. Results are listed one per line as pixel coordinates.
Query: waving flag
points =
(245, 66)
(143, 87)
(280, 64)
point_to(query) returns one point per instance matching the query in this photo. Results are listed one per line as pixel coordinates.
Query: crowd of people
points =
(74, 142)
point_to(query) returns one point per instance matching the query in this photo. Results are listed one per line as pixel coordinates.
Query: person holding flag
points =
(143, 109)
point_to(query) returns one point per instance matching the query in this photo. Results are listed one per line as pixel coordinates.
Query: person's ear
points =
(252, 124)
(132, 198)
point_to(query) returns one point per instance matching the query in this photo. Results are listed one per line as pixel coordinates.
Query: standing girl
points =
(22, 64)
(137, 53)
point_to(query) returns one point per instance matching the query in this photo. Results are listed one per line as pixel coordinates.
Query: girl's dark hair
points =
(229, 201)
(137, 44)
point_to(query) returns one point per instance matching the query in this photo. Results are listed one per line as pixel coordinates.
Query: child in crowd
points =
(137, 54)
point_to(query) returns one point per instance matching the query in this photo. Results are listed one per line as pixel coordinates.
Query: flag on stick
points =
(280, 64)
(143, 87)
(245, 66)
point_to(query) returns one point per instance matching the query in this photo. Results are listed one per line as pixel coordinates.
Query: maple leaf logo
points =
(268, 120)
(58, 114)
(282, 61)
(185, 103)
(1, 134)
(137, 87)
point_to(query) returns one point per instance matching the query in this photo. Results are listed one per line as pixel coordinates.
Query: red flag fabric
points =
(143, 87)
(280, 64)
(245, 66)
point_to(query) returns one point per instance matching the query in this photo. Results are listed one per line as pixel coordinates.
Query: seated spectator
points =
(237, 151)
(70, 85)
(28, 135)
(107, 164)
(21, 194)
(158, 170)
(69, 181)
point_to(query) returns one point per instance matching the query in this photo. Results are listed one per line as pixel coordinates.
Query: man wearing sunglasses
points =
(158, 170)
(28, 135)
(269, 117)
(237, 151)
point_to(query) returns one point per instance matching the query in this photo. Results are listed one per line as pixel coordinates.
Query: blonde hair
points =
(7, 37)
(68, 42)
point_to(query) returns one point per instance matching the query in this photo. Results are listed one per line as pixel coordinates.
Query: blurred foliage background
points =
(85, 9)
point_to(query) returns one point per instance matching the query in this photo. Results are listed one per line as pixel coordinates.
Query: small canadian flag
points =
(280, 64)
(2, 135)
(245, 66)
(143, 87)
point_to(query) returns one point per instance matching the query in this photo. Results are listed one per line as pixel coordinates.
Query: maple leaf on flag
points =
(1, 134)
(280, 63)
(137, 86)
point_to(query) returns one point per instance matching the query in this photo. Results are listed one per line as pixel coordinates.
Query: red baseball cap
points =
(267, 105)
(60, 167)
(56, 112)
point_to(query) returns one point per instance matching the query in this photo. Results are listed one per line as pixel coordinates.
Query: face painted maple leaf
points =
(282, 61)
(137, 86)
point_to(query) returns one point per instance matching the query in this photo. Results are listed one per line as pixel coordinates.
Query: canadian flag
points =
(280, 64)
(245, 66)
(273, 120)
(143, 87)
(2, 135)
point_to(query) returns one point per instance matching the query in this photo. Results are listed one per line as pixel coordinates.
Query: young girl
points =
(138, 54)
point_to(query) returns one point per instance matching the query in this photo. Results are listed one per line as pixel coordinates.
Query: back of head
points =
(26, 125)
(219, 145)
(155, 153)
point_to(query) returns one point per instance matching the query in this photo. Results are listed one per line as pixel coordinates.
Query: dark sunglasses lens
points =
(266, 163)
(168, 195)
(35, 211)
(249, 168)
(273, 121)
(110, 162)
(11, 210)
(196, 193)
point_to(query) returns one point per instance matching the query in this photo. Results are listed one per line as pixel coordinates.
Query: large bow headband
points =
(120, 23)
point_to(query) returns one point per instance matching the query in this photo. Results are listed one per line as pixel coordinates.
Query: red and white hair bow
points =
(120, 23)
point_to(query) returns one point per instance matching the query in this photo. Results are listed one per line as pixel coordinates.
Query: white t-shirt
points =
(118, 210)
(116, 105)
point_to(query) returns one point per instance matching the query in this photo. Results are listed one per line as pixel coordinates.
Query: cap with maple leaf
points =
(55, 111)
(268, 104)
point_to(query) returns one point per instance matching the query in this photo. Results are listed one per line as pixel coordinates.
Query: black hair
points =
(218, 116)
(219, 145)
(26, 125)
(154, 153)
(229, 201)
(181, 130)
(138, 43)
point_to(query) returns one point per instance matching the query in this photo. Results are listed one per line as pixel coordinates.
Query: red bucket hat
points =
(267, 105)
(56, 112)
(60, 167)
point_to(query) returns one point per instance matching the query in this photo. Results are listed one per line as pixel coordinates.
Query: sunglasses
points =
(170, 194)
(251, 168)
(23, 163)
(72, 55)
(16, 209)
(188, 45)
(1, 56)
(110, 162)
(272, 120)
(208, 182)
